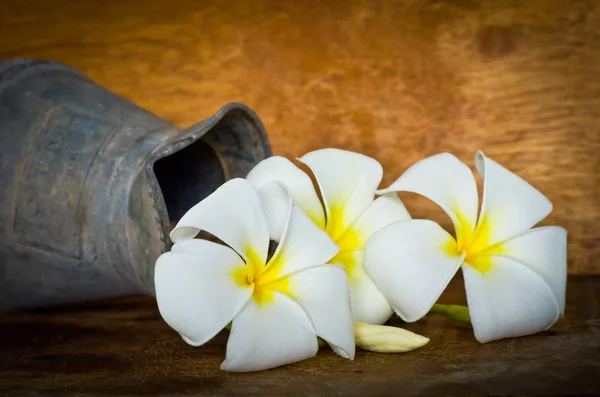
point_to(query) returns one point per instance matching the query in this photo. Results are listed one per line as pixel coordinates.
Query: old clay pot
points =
(89, 183)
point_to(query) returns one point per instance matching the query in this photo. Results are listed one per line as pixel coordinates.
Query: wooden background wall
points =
(395, 80)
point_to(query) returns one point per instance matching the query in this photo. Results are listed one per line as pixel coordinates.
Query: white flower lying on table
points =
(515, 276)
(278, 306)
(347, 182)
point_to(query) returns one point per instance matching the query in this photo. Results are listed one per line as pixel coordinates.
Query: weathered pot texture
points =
(89, 183)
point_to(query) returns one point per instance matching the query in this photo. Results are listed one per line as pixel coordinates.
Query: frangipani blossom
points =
(347, 182)
(277, 307)
(515, 276)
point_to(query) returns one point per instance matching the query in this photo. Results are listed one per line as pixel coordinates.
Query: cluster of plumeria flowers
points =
(335, 258)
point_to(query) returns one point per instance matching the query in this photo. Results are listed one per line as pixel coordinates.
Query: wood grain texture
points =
(395, 80)
(123, 348)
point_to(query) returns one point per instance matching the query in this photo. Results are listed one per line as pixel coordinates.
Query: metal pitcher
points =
(89, 183)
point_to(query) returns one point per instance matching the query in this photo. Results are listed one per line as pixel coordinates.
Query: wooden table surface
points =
(397, 80)
(123, 348)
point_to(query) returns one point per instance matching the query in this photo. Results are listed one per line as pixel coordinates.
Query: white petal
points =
(303, 245)
(268, 335)
(447, 182)
(411, 263)
(278, 168)
(234, 214)
(196, 291)
(323, 292)
(277, 202)
(383, 211)
(508, 300)
(510, 205)
(347, 181)
(367, 302)
(544, 250)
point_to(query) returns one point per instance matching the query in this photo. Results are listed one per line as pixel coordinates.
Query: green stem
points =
(455, 312)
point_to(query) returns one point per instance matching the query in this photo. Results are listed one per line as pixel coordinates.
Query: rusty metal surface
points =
(82, 214)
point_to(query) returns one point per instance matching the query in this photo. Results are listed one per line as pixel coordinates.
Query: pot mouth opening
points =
(193, 163)
(188, 176)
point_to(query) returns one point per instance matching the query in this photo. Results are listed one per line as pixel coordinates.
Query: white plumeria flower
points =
(347, 182)
(279, 306)
(515, 277)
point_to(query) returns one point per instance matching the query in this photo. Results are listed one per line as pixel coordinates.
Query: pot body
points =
(82, 175)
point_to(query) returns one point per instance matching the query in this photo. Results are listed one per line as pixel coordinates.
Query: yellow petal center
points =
(264, 278)
(476, 243)
(336, 227)
(350, 241)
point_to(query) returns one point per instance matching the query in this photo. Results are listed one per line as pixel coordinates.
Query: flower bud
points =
(386, 339)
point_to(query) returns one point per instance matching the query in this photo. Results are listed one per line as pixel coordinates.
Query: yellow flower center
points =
(476, 243)
(350, 241)
(335, 227)
(264, 279)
